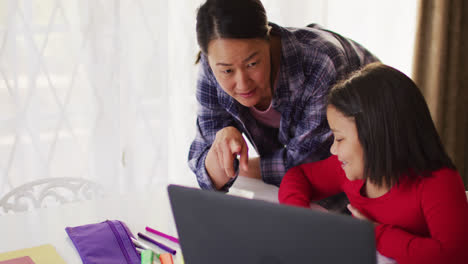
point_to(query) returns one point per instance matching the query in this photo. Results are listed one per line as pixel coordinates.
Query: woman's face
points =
(242, 68)
(346, 145)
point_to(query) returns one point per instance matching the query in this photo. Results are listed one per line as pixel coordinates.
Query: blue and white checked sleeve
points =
(211, 118)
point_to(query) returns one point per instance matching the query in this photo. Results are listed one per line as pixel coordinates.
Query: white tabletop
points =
(47, 225)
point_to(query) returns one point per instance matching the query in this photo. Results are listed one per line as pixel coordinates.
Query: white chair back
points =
(47, 193)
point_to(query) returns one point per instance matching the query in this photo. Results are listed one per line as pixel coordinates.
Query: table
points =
(137, 210)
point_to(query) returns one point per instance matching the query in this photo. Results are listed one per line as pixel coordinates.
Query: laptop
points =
(215, 228)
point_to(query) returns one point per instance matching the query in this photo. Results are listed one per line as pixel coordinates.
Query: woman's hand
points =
(356, 213)
(220, 159)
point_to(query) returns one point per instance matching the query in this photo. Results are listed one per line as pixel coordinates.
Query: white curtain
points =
(104, 89)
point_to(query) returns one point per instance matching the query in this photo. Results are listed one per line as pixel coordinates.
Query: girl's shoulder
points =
(438, 183)
(444, 178)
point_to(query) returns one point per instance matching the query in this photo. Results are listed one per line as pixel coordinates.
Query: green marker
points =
(147, 256)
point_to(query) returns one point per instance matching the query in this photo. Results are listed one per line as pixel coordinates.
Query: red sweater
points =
(422, 220)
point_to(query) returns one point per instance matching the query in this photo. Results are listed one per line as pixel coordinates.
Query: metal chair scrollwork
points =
(47, 193)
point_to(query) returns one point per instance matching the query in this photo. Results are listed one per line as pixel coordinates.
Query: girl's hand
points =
(356, 213)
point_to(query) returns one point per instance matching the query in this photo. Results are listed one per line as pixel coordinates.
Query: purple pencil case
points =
(105, 242)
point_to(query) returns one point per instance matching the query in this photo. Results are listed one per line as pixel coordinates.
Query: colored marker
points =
(159, 233)
(149, 239)
(166, 258)
(140, 246)
(147, 257)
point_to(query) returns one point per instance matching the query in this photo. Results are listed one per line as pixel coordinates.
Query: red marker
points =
(166, 258)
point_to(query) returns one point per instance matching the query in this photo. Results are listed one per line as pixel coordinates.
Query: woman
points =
(390, 162)
(268, 83)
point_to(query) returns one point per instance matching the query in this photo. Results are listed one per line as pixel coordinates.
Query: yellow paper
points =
(44, 254)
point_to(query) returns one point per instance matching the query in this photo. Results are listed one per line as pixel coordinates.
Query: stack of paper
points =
(44, 254)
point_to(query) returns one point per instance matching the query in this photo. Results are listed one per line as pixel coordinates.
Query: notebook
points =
(216, 228)
(43, 254)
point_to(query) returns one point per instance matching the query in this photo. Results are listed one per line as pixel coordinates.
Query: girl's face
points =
(242, 68)
(346, 145)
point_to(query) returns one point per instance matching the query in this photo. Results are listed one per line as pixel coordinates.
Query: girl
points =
(390, 162)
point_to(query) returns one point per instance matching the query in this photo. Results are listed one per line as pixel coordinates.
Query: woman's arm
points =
(311, 182)
(211, 118)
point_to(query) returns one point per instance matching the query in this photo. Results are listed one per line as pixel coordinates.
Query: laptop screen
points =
(218, 228)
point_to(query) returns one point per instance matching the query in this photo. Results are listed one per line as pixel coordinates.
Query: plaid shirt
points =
(312, 60)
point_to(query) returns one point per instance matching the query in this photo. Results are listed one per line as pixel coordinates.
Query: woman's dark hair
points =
(230, 19)
(393, 122)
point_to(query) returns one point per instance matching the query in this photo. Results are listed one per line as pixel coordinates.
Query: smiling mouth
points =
(247, 95)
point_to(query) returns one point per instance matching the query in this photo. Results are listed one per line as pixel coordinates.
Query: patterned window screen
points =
(104, 89)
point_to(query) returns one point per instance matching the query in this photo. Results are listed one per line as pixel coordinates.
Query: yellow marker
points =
(182, 258)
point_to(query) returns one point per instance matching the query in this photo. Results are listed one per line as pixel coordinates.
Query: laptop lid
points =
(216, 228)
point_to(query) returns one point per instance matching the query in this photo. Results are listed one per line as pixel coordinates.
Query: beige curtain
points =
(441, 71)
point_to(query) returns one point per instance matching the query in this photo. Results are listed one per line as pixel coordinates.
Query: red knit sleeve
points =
(311, 182)
(445, 207)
